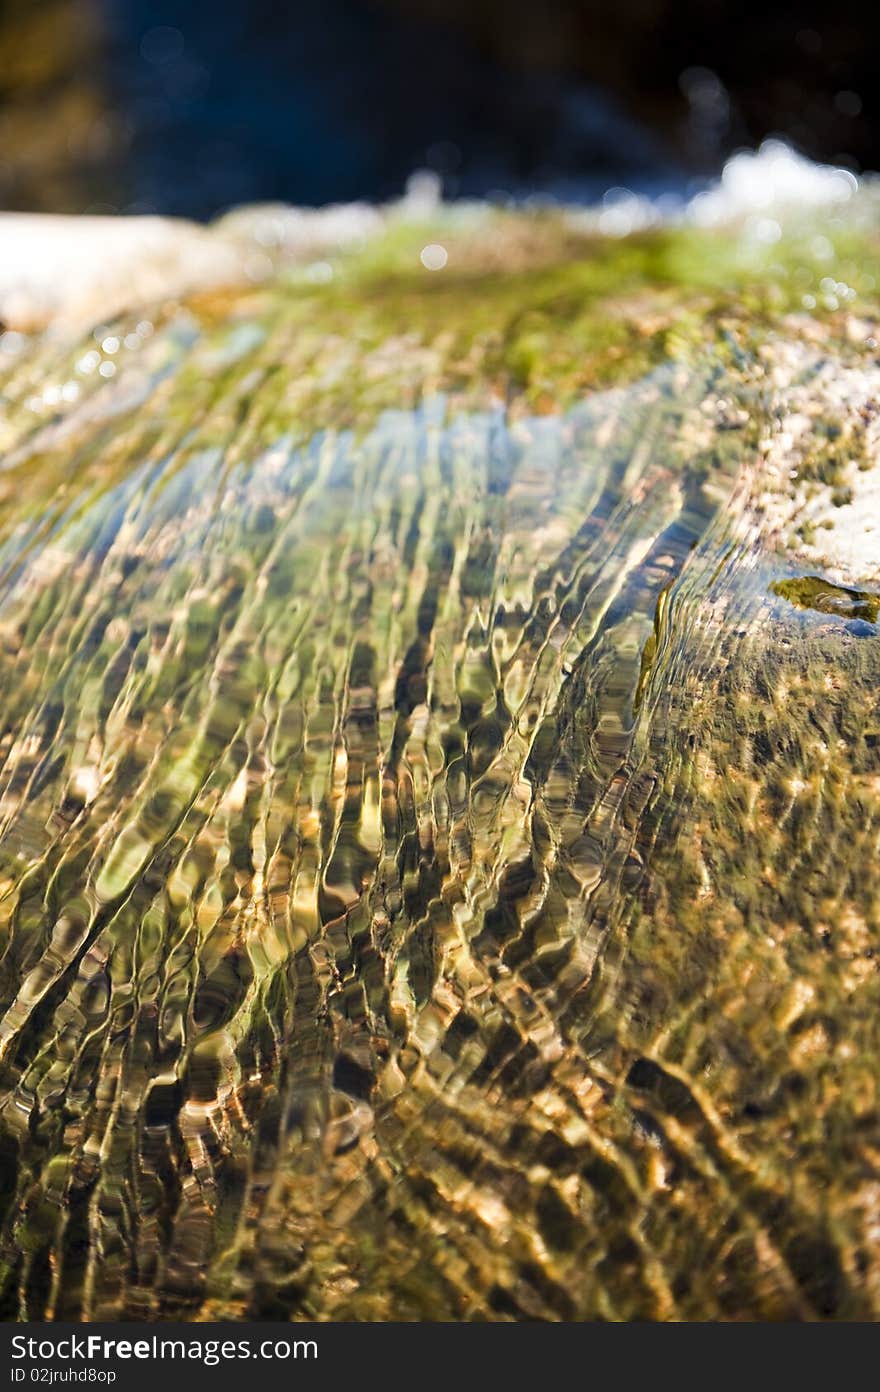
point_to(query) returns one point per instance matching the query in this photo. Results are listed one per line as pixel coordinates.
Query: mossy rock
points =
(439, 802)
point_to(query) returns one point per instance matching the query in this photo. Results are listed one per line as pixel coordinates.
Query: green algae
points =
(814, 592)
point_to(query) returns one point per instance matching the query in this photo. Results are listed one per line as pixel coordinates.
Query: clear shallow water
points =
(437, 865)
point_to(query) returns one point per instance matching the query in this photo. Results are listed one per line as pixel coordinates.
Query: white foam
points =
(775, 176)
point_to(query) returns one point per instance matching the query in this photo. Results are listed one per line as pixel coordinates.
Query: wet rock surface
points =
(438, 818)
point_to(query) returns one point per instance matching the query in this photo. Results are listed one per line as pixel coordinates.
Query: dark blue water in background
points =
(181, 106)
(334, 100)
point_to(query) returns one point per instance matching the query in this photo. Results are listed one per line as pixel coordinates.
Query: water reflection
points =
(436, 870)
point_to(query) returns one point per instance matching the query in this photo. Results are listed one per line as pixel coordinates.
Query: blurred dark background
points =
(189, 107)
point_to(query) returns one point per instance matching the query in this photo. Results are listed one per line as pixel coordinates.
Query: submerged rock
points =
(812, 592)
(436, 853)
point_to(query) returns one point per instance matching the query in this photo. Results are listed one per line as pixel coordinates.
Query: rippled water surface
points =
(438, 863)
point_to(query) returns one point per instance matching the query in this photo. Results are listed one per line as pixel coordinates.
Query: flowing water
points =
(437, 858)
